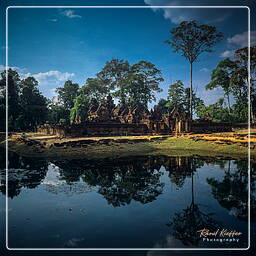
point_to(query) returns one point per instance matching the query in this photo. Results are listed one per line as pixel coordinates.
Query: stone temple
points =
(107, 119)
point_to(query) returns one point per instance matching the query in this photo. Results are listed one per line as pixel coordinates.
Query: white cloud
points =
(53, 20)
(18, 69)
(238, 41)
(241, 40)
(176, 15)
(50, 77)
(71, 14)
(204, 70)
(227, 54)
(49, 81)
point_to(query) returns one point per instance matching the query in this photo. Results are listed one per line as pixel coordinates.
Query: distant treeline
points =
(134, 85)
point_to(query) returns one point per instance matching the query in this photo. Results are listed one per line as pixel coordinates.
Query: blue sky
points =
(56, 44)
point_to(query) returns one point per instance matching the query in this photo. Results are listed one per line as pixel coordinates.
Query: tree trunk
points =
(229, 108)
(191, 92)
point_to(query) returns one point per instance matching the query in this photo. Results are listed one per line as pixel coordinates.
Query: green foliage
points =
(162, 106)
(133, 84)
(141, 84)
(221, 77)
(27, 107)
(95, 89)
(63, 121)
(191, 39)
(178, 97)
(67, 94)
(114, 75)
(232, 77)
(33, 104)
(218, 112)
(81, 106)
(13, 98)
(57, 112)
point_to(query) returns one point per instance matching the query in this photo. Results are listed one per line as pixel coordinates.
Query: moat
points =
(139, 202)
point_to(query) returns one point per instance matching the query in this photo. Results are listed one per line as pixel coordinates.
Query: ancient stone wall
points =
(207, 127)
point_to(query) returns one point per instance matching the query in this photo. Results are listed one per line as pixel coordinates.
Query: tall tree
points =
(67, 94)
(134, 84)
(221, 77)
(113, 76)
(191, 40)
(162, 106)
(232, 77)
(240, 77)
(141, 84)
(95, 88)
(13, 97)
(33, 104)
(66, 97)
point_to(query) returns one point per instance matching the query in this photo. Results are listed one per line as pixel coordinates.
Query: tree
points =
(80, 109)
(141, 84)
(56, 113)
(162, 106)
(134, 84)
(197, 103)
(13, 97)
(67, 94)
(241, 76)
(95, 89)
(232, 77)
(113, 76)
(176, 96)
(217, 111)
(221, 77)
(191, 40)
(33, 104)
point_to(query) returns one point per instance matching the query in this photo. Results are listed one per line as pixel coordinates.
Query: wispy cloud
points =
(241, 40)
(53, 20)
(227, 54)
(177, 15)
(204, 70)
(18, 69)
(71, 14)
(49, 77)
(238, 41)
(49, 81)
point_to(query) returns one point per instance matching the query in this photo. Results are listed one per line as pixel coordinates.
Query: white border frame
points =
(132, 249)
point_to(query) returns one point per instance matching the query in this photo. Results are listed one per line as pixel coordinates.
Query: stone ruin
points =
(108, 119)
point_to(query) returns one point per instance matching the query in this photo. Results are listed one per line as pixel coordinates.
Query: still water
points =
(142, 202)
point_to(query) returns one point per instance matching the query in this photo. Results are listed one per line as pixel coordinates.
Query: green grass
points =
(173, 146)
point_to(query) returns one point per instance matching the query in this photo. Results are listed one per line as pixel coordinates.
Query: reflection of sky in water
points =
(120, 204)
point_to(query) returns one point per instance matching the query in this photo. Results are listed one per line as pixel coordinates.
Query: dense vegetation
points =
(136, 85)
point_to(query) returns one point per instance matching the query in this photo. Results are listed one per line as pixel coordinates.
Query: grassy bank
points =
(116, 147)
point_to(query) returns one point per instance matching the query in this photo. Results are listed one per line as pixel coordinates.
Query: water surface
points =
(141, 202)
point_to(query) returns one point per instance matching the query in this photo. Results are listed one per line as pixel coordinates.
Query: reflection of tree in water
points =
(186, 223)
(22, 172)
(232, 191)
(119, 182)
(181, 168)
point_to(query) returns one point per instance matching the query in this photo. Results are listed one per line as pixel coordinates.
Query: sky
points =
(57, 44)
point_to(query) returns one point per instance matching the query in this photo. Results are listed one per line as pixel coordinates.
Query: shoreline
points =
(206, 145)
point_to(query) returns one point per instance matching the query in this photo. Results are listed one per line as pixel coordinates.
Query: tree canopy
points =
(191, 40)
